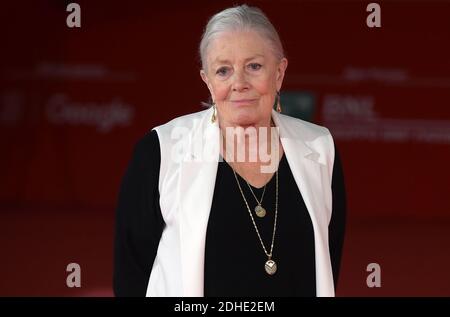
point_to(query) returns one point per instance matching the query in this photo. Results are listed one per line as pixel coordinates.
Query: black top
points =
(234, 257)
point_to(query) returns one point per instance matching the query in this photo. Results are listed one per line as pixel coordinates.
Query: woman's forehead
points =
(243, 45)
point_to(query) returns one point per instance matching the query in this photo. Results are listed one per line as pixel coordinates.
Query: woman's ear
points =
(206, 80)
(203, 76)
(281, 71)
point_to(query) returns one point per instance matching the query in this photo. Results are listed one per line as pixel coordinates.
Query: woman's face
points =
(243, 76)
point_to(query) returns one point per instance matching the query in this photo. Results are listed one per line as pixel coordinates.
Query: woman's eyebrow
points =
(225, 61)
(221, 61)
(253, 57)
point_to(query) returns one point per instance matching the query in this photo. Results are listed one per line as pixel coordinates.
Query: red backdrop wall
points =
(74, 101)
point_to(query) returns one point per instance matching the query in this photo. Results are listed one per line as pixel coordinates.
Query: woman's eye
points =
(222, 71)
(255, 66)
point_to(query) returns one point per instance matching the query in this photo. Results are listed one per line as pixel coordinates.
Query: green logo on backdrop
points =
(298, 104)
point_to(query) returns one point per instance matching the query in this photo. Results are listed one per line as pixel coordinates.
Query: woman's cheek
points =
(221, 93)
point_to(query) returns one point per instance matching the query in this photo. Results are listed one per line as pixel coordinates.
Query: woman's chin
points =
(245, 120)
(244, 116)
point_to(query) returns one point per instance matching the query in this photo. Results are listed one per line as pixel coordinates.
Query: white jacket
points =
(186, 190)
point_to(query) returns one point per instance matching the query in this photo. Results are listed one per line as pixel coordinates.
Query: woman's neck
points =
(250, 145)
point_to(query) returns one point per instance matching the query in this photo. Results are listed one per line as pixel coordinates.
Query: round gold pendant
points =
(271, 267)
(260, 211)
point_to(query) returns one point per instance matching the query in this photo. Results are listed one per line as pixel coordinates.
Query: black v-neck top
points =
(234, 257)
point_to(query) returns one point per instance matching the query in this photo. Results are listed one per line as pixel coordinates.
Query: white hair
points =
(240, 18)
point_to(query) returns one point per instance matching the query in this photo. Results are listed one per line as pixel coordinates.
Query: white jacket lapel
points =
(306, 164)
(197, 182)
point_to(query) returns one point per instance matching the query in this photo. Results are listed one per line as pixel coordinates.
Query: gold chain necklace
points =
(259, 209)
(270, 265)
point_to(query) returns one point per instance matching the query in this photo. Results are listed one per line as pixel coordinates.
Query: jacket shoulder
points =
(185, 121)
(304, 129)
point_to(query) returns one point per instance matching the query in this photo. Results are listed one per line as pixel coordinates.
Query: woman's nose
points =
(240, 82)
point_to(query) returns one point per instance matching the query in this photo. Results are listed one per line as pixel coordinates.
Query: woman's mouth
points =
(243, 102)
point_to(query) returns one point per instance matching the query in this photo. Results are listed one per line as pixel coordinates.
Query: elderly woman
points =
(201, 214)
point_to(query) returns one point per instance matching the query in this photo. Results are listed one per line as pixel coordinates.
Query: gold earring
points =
(214, 115)
(278, 102)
